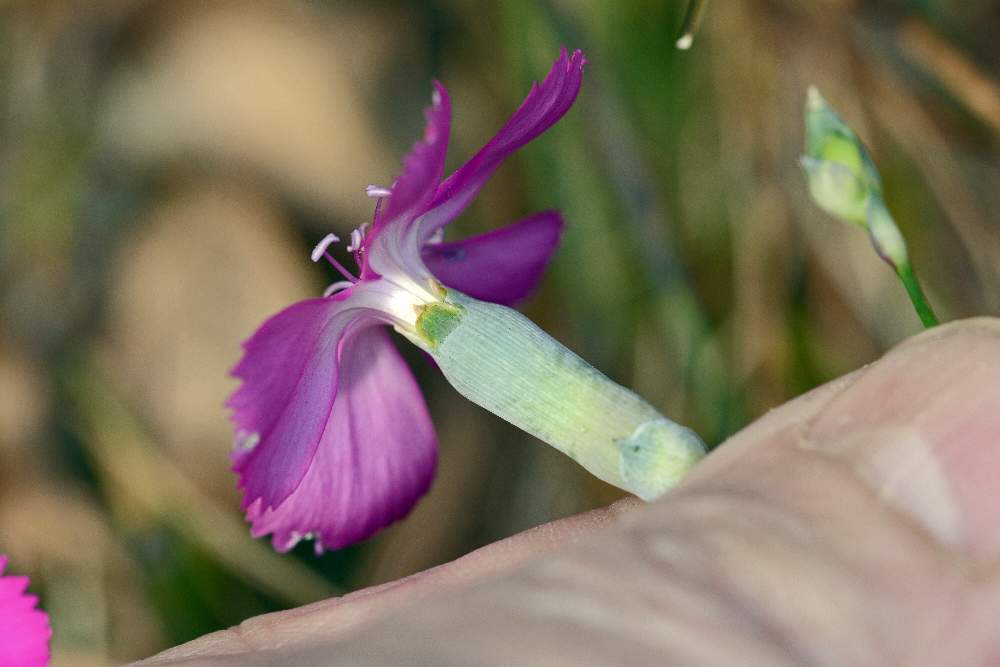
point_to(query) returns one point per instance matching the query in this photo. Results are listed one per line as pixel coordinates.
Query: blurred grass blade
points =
(149, 485)
(695, 12)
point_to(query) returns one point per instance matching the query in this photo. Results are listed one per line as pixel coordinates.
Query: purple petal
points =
(289, 373)
(415, 187)
(545, 104)
(502, 266)
(376, 458)
(24, 630)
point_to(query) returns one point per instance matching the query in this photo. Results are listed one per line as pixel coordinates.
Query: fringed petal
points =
(415, 187)
(24, 629)
(545, 104)
(376, 457)
(289, 373)
(502, 266)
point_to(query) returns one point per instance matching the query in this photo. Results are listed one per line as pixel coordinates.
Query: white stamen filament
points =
(336, 287)
(377, 191)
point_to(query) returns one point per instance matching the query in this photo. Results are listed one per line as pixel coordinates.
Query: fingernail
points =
(922, 426)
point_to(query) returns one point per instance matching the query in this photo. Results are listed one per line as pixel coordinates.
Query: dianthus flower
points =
(334, 440)
(24, 629)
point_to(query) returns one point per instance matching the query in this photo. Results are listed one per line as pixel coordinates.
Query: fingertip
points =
(922, 426)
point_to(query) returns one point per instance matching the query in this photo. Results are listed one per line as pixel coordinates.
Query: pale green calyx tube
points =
(500, 360)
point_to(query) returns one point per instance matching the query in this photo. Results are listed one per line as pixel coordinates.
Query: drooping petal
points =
(502, 266)
(24, 629)
(422, 170)
(545, 104)
(376, 458)
(289, 373)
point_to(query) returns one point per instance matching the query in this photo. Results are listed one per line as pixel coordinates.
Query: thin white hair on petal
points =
(323, 245)
(246, 440)
(437, 236)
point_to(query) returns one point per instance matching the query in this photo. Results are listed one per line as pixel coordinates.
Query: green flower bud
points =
(844, 182)
(837, 190)
(842, 177)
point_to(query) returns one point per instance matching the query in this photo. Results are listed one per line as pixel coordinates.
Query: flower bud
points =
(844, 182)
(842, 177)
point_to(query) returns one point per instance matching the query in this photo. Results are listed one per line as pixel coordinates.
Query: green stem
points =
(917, 297)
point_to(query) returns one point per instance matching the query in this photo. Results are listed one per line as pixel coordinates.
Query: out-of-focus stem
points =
(917, 296)
(144, 484)
(692, 19)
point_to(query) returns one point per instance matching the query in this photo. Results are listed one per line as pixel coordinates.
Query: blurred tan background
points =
(165, 168)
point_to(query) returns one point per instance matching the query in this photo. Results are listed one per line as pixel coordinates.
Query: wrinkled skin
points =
(856, 525)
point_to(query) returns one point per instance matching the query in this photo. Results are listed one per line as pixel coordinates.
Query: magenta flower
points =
(24, 630)
(334, 440)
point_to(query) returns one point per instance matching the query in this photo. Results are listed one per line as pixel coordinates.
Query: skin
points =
(858, 524)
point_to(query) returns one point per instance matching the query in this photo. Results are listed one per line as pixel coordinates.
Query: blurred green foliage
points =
(165, 166)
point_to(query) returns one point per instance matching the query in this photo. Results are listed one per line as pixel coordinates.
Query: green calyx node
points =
(436, 321)
(657, 455)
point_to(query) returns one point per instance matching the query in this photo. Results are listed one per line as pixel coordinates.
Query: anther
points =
(322, 246)
(321, 251)
(356, 238)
